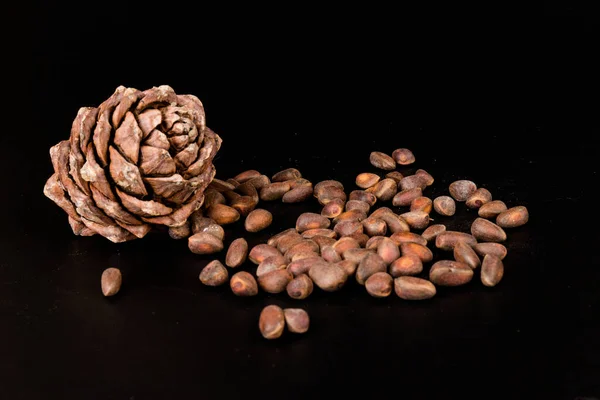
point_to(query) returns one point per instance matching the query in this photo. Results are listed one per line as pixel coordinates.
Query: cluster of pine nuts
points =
(349, 239)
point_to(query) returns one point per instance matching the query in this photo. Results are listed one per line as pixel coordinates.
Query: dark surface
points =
(516, 121)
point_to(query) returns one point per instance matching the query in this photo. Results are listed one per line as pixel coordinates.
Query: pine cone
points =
(139, 159)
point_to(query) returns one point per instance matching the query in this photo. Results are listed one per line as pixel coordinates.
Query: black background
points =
(505, 97)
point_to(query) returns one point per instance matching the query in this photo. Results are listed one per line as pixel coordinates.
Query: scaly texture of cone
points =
(139, 159)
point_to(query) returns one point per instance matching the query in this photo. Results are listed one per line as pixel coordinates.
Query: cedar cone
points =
(139, 159)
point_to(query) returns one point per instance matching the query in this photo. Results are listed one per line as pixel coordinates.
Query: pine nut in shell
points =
(513, 217)
(333, 208)
(309, 220)
(406, 265)
(366, 180)
(302, 246)
(204, 243)
(248, 189)
(311, 233)
(444, 205)
(385, 189)
(295, 183)
(220, 185)
(426, 176)
(362, 195)
(492, 209)
(319, 187)
(382, 161)
(271, 263)
(288, 241)
(373, 242)
(433, 231)
(450, 273)
(421, 204)
(408, 237)
(273, 240)
(374, 227)
(405, 197)
(330, 193)
(302, 266)
(231, 195)
(110, 281)
(300, 255)
(348, 266)
(417, 250)
(413, 181)
(356, 254)
(180, 232)
(379, 285)
(388, 250)
(271, 322)
(492, 270)
(495, 249)
(260, 182)
(347, 228)
(198, 221)
(275, 281)
(286, 175)
(378, 213)
(416, 219)
(413, 288)
(487, 231)
(352, 215)
(236, 253)
(369, 265)
(233, 182)
(215, 230)
(448, 239)
(261, 251)
(360, 238)
(330, 255)
(274, 191)
(296, 320)
(298, 194)
(212, 197)
(243, 284)
(323, 241)
(246, 175)
(462, 189)
(300, 287)
(395, 175)
(395, 223)
(244, 205)
(328, 277)
(480, 197)
(223, 214)
(403, 156)
(465, 254)
(358, 205)
(214, 274)
(258, 220)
